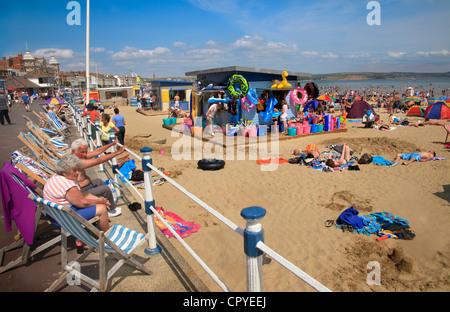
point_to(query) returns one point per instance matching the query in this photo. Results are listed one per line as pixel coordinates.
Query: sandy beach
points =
(299, 200)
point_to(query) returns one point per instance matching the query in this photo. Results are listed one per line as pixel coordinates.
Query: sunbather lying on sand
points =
(343, 160)
(412, 157)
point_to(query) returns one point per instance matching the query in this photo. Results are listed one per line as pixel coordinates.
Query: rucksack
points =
(365, 159)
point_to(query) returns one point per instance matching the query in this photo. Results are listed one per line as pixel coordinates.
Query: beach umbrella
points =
(437, 111)
(326, 97)
(54, 101)
(413, 98)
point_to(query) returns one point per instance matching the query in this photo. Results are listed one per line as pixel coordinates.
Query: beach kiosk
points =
(212, 83)
(166, 90)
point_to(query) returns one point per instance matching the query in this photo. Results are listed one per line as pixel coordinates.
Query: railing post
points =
(89, 131)
(115, 167)
(80, 127)
(99, 141)
(252, 235)
(83, 126)
(152, 249)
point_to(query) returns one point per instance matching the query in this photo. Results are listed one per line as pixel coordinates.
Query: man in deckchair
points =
(90, 159)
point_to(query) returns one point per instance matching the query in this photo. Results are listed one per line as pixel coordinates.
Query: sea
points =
(437, 87)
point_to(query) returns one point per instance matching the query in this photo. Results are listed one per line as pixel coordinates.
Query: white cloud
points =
(179, 44)
(434, 53)
(135, 53)
(97, 50)
(57, 53)
(396, 54)
(310, 53)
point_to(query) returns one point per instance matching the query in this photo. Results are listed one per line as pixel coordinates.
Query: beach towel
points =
(378, 223)
(126, 169)
(271, 161)
(182, 227)
(378, 160)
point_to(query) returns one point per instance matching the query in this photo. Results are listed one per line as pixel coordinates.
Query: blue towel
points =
(378, 160)
(126, 169)
(350, 216)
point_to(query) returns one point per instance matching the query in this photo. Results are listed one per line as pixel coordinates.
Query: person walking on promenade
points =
(119, 121)
(5, 108)
(26, 101)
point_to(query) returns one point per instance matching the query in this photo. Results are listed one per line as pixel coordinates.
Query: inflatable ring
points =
(244, 102)
(296, 99)
(251, 95)
(243, 86)
(312, 90)
(211, 164)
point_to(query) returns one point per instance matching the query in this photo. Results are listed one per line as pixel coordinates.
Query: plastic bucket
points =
(305, 123)
(188, 121)
(314, 128)
(262, 130)
(319, 128)
(167, 122)
(306, 129)
(173, 120)
(253, 132)
(300, 130)
(292, 131)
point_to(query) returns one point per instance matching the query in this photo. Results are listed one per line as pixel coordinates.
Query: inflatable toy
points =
(283, 83)
(214, 100)
(296, 152)
(251, 99)
(268, 113)
(237, 92)
(295, 96)
(211, 164)
(312, 90)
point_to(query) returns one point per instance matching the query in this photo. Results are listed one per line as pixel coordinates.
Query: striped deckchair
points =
(57, 123)
(447, 128)
(56, 143)
(118, 241)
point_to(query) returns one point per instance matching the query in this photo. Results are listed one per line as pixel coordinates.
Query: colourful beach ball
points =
(296, 152)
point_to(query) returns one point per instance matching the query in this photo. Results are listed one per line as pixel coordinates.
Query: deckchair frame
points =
(447, 128)
(27, 250)
(74, 224)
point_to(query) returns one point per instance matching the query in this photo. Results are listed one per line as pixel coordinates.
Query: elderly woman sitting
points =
(63, 189)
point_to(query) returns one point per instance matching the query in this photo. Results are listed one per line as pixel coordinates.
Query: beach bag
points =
(365, 159)
(137, 175)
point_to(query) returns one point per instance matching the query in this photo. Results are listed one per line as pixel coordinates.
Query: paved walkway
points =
(171, 273)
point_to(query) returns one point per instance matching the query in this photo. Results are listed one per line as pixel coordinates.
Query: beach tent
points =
(437, 111)
(358, 109)
(311, 105)
(415, 111)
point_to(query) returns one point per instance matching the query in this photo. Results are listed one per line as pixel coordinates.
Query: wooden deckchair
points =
(119, 242)
(57, 123)
(37, 152)
(447, 128)
(28, 251)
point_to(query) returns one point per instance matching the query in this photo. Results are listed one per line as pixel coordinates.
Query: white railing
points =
(254, 245)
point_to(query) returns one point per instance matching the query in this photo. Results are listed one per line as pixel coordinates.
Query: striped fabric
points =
(55, 120)
(121, 236)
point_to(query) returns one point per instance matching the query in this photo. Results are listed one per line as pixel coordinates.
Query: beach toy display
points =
(283, 83)
(237, 86)
(268, 113)
(299, 96)
(167, 122)
(292, 131)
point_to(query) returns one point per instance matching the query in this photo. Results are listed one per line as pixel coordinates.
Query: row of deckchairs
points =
(46, 146)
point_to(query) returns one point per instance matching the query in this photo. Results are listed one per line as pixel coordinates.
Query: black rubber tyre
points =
(211, 164)
(312, 89)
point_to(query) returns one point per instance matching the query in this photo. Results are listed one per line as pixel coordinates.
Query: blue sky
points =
(171, 37)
